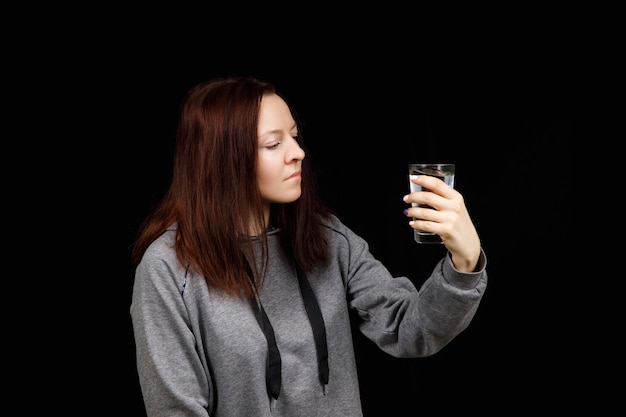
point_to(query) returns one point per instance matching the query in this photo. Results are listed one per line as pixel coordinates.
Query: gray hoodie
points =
(201, 353)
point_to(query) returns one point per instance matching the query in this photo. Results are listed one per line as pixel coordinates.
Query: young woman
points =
(244, 280)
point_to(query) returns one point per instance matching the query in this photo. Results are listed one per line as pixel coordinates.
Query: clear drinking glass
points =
(444, 171)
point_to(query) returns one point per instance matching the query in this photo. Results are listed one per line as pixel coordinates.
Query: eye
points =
(274, 145)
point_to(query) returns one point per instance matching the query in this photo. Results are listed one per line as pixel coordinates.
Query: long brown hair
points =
(214, 189)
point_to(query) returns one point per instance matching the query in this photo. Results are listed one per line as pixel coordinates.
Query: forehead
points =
(274, 114)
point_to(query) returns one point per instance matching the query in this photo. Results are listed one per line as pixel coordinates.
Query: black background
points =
(504, 113)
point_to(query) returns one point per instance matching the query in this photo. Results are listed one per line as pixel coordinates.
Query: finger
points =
(428, 226)
(433, 184)
(425, 214)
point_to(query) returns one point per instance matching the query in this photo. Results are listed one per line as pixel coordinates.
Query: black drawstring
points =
(273, 377)
(274, 363)
(317, 324)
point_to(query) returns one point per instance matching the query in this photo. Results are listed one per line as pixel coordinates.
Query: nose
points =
(295, 152)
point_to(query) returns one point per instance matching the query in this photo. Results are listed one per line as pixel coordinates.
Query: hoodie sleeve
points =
(399, 318)
(173, 380)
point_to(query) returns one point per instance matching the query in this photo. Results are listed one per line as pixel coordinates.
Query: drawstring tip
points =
(272, 405)
(324, 388)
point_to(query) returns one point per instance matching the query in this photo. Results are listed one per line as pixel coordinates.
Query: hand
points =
(448, 218)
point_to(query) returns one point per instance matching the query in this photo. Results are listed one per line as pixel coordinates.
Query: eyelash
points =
(275, 145)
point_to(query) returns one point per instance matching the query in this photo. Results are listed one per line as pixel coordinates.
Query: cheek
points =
(264, 174)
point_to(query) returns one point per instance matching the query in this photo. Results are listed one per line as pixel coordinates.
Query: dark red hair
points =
(214, 189)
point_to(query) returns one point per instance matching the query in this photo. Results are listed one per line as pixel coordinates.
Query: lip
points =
(295, 176)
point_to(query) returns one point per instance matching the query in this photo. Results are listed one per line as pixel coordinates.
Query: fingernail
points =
(406, 212)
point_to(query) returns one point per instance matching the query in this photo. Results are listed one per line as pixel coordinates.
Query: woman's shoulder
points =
(162, 248)
(337, 229)
(160, 266)
(331, 221)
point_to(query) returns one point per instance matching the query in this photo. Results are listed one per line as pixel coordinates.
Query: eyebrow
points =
(295, 126)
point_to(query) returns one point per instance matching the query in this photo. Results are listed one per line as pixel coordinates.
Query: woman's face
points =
(279, 156)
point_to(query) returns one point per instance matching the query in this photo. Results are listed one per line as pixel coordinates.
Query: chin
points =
(288, 199)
